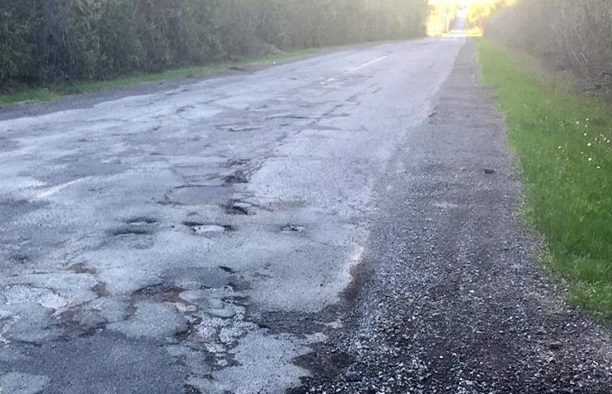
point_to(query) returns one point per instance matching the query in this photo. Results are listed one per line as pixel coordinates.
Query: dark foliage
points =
(49, 41)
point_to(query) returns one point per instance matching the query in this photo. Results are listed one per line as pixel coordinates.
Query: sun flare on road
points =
(460, 17)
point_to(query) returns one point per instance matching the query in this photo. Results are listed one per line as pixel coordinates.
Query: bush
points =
(48, 41)
(568, 35)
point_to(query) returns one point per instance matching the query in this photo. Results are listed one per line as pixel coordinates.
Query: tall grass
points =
(563, 143)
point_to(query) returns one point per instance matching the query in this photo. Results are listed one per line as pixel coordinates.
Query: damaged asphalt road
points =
(345, 223)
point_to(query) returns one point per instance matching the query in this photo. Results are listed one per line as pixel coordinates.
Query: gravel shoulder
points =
(449, 296)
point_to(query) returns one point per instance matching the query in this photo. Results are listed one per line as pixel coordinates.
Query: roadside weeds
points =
(53, 92)
(563, 141)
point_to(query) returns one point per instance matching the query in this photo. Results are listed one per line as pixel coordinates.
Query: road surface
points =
(343, 223)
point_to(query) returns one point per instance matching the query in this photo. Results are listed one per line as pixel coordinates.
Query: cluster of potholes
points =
(208, 314)
(205, 313)
(139, 226)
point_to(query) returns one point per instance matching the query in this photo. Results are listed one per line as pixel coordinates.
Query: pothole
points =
(161, 292)
(293, 228)
(237, 162)
(287, 116)
(239, 176)
(209, 228)
(128, 231)
(239, 128)
(19, 259)
(180, 110)
(141, 221)
(236, 208)
(82, 268)
(100, 289)
(189, 389)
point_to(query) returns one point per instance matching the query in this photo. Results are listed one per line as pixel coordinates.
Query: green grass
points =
(55, 91)
(563, 143)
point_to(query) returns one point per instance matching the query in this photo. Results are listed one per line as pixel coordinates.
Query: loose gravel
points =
(450, 297)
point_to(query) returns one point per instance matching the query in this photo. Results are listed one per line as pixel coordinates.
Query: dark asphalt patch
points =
(11, 209)
(162, 292)
(7, 145)
(237, 162)
(127, 231)
(189, 389)
(20, 258)
(100, 289)
(236, 208)
(100, 364)
(237, 177)
(82, 268)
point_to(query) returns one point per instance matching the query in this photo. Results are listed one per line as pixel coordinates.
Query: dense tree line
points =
(43, 41)
(569, 35)
(479, 11)
(442, 15)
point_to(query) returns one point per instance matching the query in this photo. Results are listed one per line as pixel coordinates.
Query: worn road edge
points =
(450, 296)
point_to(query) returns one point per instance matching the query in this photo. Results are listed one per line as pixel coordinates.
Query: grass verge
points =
(55, 91)
(563, 143)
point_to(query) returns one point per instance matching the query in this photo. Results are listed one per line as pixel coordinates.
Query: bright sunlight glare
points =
(460, 17)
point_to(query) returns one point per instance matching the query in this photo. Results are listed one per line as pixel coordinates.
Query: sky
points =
(461, 2)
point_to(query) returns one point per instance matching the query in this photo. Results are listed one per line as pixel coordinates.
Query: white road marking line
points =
(366, 64)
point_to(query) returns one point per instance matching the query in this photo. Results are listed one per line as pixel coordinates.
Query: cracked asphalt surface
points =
(344, 223)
